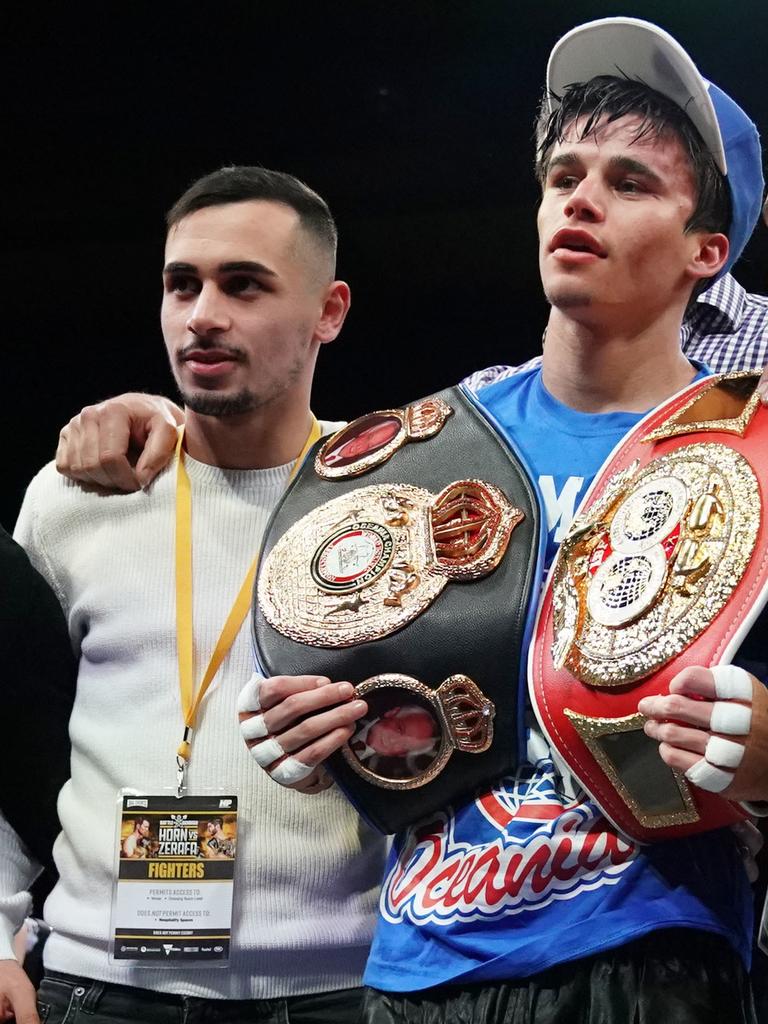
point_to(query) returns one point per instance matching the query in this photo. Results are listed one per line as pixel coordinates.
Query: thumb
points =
(158, 449)
(24, 1005)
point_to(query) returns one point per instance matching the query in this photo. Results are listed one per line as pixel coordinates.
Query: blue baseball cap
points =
(645, 53)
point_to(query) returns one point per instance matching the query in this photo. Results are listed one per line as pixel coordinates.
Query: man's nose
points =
(585, 202)
(209, 314)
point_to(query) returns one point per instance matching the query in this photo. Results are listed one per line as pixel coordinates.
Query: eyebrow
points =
(617, 163)
(234, 266)
(562, 160)
(626, 163)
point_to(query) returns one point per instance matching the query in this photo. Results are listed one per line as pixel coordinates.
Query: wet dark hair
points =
(239, 184)
(610, 98)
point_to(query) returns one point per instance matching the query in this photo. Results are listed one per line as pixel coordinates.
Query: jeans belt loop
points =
(92, 997)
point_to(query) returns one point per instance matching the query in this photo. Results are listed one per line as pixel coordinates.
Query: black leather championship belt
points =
(665, 566)
(404, 558)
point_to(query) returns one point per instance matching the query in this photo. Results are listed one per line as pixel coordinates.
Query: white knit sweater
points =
(308, 870)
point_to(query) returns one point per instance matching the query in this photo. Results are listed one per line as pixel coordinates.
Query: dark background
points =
(413, 119)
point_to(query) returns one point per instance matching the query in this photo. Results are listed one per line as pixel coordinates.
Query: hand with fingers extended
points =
(291, 724)
(713, 725)
(18, 1001)
(100, 445)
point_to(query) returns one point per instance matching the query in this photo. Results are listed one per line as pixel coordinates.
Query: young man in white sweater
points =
(249, 297)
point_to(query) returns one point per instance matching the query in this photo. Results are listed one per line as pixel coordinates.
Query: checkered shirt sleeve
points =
(728, 330)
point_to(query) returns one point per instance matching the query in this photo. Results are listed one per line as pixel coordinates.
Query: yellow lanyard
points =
(191, 701)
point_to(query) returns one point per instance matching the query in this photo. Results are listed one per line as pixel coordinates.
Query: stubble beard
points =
(222, 406)
(208, 403)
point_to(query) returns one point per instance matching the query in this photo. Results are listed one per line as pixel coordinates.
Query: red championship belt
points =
(665, 566)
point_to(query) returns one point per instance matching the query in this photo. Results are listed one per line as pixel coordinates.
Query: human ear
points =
(710, 255)
(334, 310)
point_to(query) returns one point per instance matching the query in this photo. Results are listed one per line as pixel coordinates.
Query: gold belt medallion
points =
(648, 567)
(367, 563)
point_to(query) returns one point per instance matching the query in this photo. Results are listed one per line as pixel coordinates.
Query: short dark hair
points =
(611, 97)
(239, 184)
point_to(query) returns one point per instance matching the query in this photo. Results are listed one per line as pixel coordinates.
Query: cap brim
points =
(643, 52)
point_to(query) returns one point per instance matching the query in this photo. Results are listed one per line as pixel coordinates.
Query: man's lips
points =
(209, 362)
(575, 243)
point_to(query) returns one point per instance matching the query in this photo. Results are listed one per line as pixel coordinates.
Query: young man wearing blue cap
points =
(526, 905)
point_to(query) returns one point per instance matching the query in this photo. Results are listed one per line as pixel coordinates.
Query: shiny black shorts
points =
(672, 976)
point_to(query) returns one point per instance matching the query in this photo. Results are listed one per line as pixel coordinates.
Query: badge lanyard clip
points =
(181, 761)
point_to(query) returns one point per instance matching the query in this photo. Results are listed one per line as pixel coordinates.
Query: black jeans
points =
(64, 999)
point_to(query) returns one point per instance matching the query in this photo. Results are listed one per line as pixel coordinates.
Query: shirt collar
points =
(726, 298)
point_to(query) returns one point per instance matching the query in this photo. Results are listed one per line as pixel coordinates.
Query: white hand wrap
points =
(267, 752)
(250, 695)
(290, 771)
(732, 683)
(254, 728)
(732, 719)
(724, 753)
(709, 776)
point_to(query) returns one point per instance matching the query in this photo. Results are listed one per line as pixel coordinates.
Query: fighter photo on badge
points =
(217, 837)
(137, 840)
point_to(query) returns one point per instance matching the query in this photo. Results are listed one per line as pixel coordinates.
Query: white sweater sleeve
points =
(27, 534)
(17, 871)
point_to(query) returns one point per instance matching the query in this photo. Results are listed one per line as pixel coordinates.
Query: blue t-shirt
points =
(531, 874)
